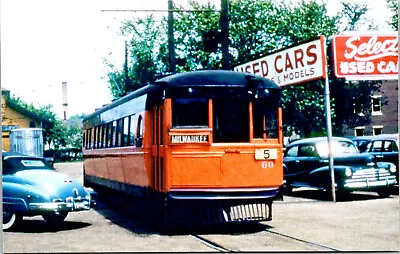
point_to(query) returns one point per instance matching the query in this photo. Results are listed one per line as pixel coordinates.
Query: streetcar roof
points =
(214, 78)
(202, 78)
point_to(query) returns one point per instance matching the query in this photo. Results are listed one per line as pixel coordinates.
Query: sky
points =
(47, 42)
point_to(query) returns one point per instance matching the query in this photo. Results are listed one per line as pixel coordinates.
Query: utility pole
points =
(224, 22)
(171, 40)
(126, 67)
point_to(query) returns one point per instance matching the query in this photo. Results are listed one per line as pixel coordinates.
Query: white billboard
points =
(293, 65)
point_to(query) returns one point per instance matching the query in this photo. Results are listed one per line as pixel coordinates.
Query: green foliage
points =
(56, 132)
(394, 7)
(256, 28)
(352, 15)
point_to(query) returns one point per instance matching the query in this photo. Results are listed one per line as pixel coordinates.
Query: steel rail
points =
(210, 244)
(303, 241)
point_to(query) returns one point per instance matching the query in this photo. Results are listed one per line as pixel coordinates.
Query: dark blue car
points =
(306, 164)
(32, 187)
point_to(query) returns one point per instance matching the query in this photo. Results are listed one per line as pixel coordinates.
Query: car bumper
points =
(370, 183)
(73, 206)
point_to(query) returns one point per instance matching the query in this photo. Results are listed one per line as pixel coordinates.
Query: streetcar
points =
(201, 145)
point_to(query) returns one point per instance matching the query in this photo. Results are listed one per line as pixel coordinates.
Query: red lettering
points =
(264, 68)
(278, 70)
(247, 68)
(298, 57)
(288, 62)
(255, 68)
(311, 54)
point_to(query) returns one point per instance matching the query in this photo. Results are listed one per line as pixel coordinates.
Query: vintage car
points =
(360, 141)
(306, 164)
(32, 187)
(384, 147)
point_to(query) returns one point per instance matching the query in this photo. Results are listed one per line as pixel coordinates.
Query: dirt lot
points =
(304, 221)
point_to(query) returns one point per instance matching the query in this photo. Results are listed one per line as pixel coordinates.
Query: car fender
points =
(321, 176)
(337, 169)
(15, 197)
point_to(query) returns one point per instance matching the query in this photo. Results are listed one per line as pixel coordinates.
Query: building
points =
(384, 119)
(14, 116)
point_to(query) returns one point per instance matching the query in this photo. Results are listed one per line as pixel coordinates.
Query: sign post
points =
(329, 132)
(298, 64)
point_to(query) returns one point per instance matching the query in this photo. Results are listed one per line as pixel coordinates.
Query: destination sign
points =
(181, 139)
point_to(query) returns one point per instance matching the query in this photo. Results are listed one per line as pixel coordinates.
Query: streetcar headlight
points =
(348, 172)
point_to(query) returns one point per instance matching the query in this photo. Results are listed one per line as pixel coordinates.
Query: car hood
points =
(353, 159)
(53, 183)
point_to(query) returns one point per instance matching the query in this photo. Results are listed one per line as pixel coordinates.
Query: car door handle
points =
(297, 161)
(379, 156)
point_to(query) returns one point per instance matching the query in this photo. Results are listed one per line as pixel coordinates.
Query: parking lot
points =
(304, 221)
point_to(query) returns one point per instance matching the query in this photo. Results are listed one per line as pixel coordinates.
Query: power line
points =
(175, 10)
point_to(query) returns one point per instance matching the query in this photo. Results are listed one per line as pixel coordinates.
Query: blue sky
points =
(46, 42)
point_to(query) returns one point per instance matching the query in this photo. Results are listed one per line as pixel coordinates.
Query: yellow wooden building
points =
(14, 116)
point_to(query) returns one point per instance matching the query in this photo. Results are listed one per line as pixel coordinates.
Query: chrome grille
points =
(371, 174)
(371, 178)
(244, 212)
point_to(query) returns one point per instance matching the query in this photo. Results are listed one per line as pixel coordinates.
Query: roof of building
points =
(15, 106)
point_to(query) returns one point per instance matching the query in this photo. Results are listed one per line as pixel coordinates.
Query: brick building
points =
(14, 116)
(384, 119)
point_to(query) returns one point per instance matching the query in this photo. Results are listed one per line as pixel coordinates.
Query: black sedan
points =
(384, 147)
(32, 187)
(306, 164)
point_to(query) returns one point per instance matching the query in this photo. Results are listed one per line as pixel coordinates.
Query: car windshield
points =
(338, 148)
(13, 165)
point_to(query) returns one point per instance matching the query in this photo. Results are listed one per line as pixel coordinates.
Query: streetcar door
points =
(157, 151)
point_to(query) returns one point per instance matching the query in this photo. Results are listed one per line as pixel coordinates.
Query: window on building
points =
(376, 102)
(377, 129)
(359, 131)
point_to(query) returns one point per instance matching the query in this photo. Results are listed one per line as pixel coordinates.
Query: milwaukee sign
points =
(293, 65)
(362, 57)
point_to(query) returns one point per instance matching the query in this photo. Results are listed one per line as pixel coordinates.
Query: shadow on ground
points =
(316, 195)
(130, 214)
(40, 226)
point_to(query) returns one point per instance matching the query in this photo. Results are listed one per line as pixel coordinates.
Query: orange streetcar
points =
(207, 144)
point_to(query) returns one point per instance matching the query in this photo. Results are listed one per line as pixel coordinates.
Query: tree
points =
(257, 28)
(394, 7)
(353, 17)
(56, 133)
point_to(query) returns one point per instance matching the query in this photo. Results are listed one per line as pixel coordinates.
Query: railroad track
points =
(217, 247)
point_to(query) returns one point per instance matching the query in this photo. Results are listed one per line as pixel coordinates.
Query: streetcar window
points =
(231, 120)
(102, 137)
(84, 139)
(109, 134)
(132, 130)
(119, 132)
(265, 120)
(126, 131)
(139, 132)
(90, 139)
(190, 113)
(95, 131)
(114, 134)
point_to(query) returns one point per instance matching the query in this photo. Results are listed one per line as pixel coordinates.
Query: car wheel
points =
(55, 218)
(10, 220)
(384, 193)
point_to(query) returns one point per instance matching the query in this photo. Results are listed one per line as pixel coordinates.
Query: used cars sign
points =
(363, 57)
(293, 65)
